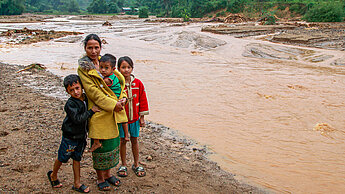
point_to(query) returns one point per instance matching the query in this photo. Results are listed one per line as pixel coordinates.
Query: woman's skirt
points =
(107, 156)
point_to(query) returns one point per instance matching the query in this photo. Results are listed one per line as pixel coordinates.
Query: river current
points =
(276, 123)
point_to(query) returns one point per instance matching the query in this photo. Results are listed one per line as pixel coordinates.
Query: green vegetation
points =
(310, 10)
(143, 12)
(326, 12)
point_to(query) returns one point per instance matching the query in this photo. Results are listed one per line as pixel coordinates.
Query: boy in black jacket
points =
(74, 131)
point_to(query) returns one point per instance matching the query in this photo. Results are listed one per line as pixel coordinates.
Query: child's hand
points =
(142, 121)
(108, 81)
(123, 101)
(95, 109)
(126, 137)
(118, 106)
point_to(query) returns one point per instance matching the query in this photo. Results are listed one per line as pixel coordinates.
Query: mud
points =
(240, 31)
(194, 40)
(25, 18)
(266, 51)
(28, 36)
(317, 35)
(330, 36)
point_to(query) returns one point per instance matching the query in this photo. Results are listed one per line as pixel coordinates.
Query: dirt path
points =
(30, 134)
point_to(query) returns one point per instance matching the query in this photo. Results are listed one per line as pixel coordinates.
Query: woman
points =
(102, 125)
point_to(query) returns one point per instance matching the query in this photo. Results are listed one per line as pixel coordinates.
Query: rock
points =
(148, 158)
(106, 24)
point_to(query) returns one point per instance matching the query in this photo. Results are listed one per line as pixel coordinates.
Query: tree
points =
(11, 7)
(70, 6)
(113, 7)
(98, 6)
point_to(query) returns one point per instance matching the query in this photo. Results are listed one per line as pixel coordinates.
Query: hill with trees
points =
(310, 10)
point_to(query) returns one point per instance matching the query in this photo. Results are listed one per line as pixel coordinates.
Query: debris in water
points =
(324, 129)
(33, 66)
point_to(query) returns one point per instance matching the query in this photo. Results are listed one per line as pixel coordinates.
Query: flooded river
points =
(276, 123)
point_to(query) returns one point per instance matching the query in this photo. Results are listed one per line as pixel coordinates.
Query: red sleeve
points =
(143, 104)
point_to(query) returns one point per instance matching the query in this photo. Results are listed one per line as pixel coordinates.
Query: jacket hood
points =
(86, 64)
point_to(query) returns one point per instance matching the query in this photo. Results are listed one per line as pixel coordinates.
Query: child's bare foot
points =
(95, 146)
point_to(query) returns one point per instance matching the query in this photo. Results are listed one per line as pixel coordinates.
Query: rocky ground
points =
(31, 111)
(317, 35)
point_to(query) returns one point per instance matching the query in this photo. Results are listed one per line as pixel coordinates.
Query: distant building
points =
(127, 9)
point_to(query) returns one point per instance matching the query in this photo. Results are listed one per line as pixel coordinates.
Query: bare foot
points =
(95, 146)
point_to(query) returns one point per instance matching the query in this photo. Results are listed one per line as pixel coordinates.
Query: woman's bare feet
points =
(95, 146)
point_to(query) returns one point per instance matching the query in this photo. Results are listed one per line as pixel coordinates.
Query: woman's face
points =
(93, 49)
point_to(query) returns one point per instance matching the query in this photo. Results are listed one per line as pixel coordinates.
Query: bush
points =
(298, 8)
(143, 12)
(325, 12)
(270, 20)
(281, 6)
(185, 15)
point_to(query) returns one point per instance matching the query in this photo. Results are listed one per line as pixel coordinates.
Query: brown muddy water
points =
(270, 115)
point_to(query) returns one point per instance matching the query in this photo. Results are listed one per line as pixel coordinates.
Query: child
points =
(107, 67)
(136, 109)
(74, 130)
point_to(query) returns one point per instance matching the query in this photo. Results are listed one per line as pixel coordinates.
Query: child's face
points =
(105, 68)
(125, 69)
(75, 90)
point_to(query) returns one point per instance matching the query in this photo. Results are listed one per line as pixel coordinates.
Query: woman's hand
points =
(95, 109)
(118, 106)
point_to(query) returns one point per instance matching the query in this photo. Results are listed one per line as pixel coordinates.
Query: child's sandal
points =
(139, 171)
(56, 183)
(122, 171)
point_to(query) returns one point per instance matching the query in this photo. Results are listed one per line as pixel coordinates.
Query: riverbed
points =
(274, 119)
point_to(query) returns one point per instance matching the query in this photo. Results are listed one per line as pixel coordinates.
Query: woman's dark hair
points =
(109, 58)
(92, 37)
(127, 59)
(70, 80)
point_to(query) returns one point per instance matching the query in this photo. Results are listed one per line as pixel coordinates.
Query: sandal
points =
(137, 171)
(81, 189)
(56, 183)
(122, 171)
(102, 186)
(113, 180)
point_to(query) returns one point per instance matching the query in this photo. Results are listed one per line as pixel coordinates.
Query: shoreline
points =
(30, 135)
